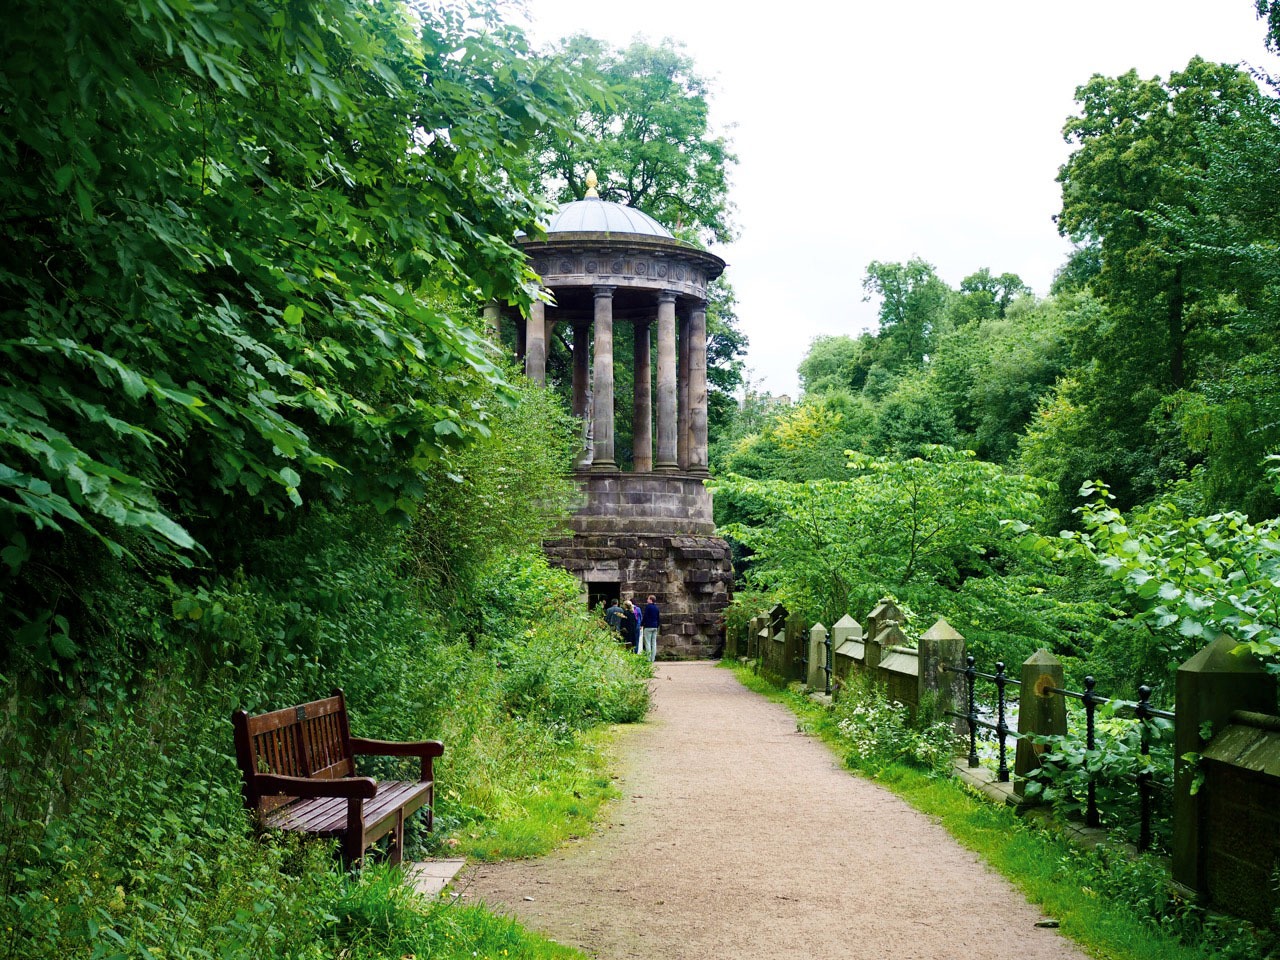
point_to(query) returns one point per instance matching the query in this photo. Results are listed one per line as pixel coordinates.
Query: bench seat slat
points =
(327, 816)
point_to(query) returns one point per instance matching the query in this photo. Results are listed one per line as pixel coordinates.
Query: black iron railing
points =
(1000, 727)
(1143, 712)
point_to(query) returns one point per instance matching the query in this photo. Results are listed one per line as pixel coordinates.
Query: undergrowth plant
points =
(122, 829)
(874, 731)
(1067, 765)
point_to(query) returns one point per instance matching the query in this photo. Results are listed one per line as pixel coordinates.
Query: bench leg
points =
(396, 856)
(353, 839)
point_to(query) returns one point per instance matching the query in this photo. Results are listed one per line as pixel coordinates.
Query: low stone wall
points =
(1242, 791)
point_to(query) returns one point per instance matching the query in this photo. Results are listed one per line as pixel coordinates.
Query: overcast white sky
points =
(881, 131)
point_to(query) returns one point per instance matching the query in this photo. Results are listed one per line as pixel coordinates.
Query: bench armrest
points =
(425, 749)
(353, 788)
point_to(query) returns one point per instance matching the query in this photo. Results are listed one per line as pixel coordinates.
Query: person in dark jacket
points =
(613, 615)
(650, 620)
(631, 626)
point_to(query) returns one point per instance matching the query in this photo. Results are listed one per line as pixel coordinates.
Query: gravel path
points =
(738, 837)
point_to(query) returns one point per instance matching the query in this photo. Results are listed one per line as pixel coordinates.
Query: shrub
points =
(876, 731)
(1067, 766)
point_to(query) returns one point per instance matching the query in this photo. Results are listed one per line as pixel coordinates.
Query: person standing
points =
(631, 626)
(637, 610)
(613, 615)
(649, 622)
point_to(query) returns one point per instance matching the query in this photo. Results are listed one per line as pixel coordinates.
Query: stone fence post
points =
(847, 648)
(794, 648)
(941, 647)
(1040, 713)
(888, 635)
(757, 629)
(817, 679)
(1210, 686)
(880, 615)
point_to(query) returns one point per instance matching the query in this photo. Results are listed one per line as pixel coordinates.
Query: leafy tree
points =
(912, 304)
(827, 546)
(1190, 578)
(912, 418)
(1229, 416)
(992, 374)
(1137, 145)
(750, 414)
(1269, 10)
(499, 496)
(806, 441)
(1082, 266)
(1141, 147)
(648, 139)
(836, 362)
(235, 241)
(226, 230)
(984, 297)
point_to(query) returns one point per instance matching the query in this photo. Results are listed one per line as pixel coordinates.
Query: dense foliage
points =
(1149, 371)
(252, 448)
(647, 136)
(225, 236)
(931, 531)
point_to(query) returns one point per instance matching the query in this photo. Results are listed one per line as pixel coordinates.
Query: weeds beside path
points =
(737, 836)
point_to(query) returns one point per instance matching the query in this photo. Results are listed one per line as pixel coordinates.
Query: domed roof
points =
(594, 215)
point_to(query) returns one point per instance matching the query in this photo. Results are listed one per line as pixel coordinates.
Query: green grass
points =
(560, 802)
(1112, 906)
(381, 917)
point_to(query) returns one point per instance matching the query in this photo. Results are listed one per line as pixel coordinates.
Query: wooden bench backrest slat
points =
(313, 740)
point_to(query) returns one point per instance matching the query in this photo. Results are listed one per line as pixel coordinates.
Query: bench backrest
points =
(311, 740)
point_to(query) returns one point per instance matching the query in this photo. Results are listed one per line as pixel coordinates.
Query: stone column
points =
(581, 367)
(667, 461)
(493, 320)
(602, 415)
(697, 462)
(535, 351)
(642, 402)
(682, 401)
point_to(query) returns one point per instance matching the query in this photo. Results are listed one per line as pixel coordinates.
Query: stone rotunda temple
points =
(608, 267)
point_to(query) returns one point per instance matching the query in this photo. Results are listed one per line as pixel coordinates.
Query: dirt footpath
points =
(738, 837)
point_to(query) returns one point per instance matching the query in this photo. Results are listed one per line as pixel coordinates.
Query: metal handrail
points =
(1143, 712)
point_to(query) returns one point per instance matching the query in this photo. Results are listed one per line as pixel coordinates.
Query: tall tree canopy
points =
(647, 137)
(1138, 146)
(229, 232)
(912, 302)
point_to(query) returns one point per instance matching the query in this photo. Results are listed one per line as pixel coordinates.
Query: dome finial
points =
(591, 186)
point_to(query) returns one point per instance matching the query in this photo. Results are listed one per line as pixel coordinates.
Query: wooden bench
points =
(299, 775)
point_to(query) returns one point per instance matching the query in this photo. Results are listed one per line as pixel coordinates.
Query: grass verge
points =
(1112, 906)
(559, 802)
